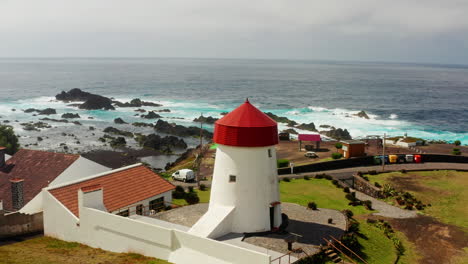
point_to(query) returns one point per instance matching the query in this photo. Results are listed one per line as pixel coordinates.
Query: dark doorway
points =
(272, 217)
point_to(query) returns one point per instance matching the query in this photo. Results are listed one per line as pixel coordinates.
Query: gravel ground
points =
(311, 226)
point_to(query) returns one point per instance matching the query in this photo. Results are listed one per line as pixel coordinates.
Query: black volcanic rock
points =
(362, 114)
(281, 119)
(157, 142)
(119, 120)
(142, 124)
(181, 131)
(47, 111)
(135, 103)
(116, 131)
(91, 101)
(310, 126)
(97, 102)
(339, 134)
(206, 120)
(74, 95)
(70, 115)
(151, 115)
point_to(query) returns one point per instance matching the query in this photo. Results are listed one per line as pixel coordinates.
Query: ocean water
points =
(429, 101)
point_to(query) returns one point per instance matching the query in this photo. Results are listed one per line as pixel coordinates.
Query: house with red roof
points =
(27, 172)
(133, 189)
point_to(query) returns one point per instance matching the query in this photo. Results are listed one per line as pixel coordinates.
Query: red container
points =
(417, 158)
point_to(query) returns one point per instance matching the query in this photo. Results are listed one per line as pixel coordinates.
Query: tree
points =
(457, 142)
(8, 139)
(338, 146)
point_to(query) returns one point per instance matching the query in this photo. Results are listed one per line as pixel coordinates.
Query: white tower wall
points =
(254, 190)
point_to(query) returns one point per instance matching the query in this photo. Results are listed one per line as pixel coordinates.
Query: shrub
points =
(282, 163)
(192, 198)
(368, 204)
(372, 172)
(190, 189)
(168, 207)
(456, 151)
(306, 178)
(286, 179)
(457, 142)
(336, 155)
(178, 195)
(403, 171)
(346, 189)
(312, 205)
(335, 182)
(350, 197)
(348, 213)
(8, 139)
(377, 185)
(354, 227)
(328, 177)
(338, 145)
(319, 176)
(202, 187)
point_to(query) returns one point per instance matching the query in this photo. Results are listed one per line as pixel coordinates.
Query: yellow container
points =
(393, 158)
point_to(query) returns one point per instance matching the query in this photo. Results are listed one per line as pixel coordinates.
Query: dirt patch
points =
(408, 183)
(436, 242)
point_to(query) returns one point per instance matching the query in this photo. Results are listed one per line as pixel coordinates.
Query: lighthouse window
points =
(232, 178)
(269, 153)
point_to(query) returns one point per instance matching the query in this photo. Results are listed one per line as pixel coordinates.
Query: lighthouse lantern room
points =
(244, 191)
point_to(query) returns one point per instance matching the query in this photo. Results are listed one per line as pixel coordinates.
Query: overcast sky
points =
(363, 30)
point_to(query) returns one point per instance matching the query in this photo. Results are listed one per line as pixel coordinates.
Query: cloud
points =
(247, 24)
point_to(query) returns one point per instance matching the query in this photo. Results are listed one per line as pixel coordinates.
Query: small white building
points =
(130, 190)
(23, 176)
(244, 192)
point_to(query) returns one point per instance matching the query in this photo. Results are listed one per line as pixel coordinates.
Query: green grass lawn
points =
(46, 250)
(444, 190)
(320, 191)
(379, 249)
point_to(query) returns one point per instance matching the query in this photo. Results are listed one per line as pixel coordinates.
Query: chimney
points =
(2, 156)
(17, 193)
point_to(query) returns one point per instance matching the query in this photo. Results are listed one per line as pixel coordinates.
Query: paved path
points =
(386, 209)
(348, 172)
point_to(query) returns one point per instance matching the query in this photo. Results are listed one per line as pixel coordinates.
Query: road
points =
(348, 172)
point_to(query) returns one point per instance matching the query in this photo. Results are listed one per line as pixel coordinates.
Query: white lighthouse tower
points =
(244, 191)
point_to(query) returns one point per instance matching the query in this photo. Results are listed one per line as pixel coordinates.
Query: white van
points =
(184, 175)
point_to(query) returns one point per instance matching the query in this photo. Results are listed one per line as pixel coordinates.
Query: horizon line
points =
(237, 58)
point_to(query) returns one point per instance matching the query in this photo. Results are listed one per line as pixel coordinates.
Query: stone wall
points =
(16, 224)
(366, 187)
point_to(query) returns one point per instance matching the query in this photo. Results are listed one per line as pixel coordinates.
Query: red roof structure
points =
(36, 168)
(120, 188)
(246, 126)
(310, 137)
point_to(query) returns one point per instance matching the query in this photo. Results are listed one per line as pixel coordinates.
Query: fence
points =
(365, 161)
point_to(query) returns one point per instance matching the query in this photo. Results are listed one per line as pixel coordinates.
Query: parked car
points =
(311, 154)
(184, 175)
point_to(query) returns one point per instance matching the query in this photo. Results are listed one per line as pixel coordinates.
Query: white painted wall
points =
(256, 187)
(100, 229)
(81, 168)
(7, 157)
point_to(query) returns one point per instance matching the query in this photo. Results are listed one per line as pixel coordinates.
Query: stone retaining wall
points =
(16, 224)
(366, 187)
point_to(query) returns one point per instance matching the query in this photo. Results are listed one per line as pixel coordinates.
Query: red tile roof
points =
(120, 189)
(36, 168)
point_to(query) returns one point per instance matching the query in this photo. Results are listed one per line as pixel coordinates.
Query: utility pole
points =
(199, 156)
(383, 152)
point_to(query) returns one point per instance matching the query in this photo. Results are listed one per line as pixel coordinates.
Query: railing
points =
(279, 260)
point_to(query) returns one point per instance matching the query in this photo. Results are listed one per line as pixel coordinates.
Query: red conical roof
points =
(246, 126)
